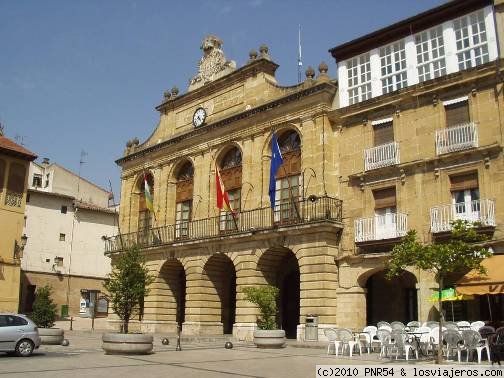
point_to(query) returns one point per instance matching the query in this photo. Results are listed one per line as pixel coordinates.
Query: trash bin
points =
(311, 328)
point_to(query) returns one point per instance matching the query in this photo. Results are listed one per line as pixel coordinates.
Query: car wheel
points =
(24, 348)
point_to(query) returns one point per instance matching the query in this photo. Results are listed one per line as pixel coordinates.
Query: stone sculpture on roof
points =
(213, 64)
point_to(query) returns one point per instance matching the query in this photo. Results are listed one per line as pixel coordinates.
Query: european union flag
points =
(276, 162)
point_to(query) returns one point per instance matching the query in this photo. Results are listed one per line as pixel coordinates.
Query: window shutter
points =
(232, 178)
(463, 182)
(184, 191)
(385, 198)
(457, 114)
(383, 133)
(291, 163)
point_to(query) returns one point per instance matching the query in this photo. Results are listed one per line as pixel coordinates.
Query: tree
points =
(264, 297)
(128, 285)
(463, 250)
(44, 309)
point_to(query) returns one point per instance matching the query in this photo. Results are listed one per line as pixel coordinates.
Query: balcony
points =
(303, 212)
(381, 227)
(456, 138)
(381, 156)
(481, 211)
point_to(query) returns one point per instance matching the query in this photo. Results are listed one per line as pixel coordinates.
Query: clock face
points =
(199, 117)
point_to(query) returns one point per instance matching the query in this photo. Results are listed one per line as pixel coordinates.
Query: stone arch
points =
(390, 300)
(266, 149)
(219, 279)
(171, 288)
(140, 217)
(280, 268)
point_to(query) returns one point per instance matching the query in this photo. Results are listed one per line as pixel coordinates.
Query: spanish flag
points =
(148, 196)
(222, 197)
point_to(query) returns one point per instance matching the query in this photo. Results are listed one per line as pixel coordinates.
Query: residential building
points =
(14, 163)
(408, 137)
(67, 218)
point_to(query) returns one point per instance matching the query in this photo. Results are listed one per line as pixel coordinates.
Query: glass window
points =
(359, 78)
(62, 237)
(37, 180)
(182, 218)
(471, 40)
(430, 54)
(287, 197)
(230, 221)
(393, 67)
(64, 209)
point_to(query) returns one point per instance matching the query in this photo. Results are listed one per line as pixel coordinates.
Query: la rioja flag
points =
(222, 197)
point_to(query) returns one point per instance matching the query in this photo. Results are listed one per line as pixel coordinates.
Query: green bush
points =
(264, 297)
(44, 309)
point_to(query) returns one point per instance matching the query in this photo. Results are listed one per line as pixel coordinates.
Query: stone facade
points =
(327, 259)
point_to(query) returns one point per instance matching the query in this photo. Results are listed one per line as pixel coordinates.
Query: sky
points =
(86, 75)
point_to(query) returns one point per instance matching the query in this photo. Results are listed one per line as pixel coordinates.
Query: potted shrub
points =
(127, 286)
(44, 315)
(265, 298)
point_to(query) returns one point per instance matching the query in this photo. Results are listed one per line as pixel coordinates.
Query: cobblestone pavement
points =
(84, 358)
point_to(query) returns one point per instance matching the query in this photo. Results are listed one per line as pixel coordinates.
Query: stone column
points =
(319, 281)
(351, 307)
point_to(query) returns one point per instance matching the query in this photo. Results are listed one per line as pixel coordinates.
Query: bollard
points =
(71, 323)
(179, 347)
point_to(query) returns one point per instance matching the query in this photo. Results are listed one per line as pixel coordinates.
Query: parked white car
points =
(18, 334)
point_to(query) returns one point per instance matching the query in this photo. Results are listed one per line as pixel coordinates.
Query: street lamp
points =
(19, 247)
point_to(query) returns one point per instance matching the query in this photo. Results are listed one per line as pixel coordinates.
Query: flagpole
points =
(225, 192)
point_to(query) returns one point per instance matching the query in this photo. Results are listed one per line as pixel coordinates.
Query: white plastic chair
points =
(332, 337)
(413, 325)
(452, 339)
(348, 340)
(385, 341)
(387, 327)
(368, 333)
(397, 326)
(380, 324)
(464, 324)
(434, 337)
(424, 339)
(472, 342)
(400, 340)
(475, 326)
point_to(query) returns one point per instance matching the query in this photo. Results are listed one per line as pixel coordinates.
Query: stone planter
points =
(127, 343)
(51, 336)
(269, 338)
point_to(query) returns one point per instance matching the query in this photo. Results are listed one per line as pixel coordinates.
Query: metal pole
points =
(179, 347)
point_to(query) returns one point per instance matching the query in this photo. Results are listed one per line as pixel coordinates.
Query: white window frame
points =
(471, 36)
(358, 78)
(393, 66)
(430, 53)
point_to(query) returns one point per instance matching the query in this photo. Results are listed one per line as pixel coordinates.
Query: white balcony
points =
(381, 156)
(456, 138)
(482, 211)
(381, 227)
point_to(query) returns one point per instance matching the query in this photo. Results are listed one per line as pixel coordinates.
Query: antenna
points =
(300, 57)
(83, 154)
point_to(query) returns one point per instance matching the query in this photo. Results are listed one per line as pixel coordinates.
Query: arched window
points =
(288, 183)
(183, 199)
(144, 214)
(15, 185)
(231, 174)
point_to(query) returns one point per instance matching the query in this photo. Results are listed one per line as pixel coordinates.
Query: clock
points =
(199, 117)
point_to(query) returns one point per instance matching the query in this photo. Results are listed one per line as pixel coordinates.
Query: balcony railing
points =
(381, 156)
(456, 138)
(481, 211)
(294, 213)
(381, 227)
(13, 199)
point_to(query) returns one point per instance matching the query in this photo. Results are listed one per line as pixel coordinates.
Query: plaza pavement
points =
(84, 358)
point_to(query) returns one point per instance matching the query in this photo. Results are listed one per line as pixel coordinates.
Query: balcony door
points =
(183, 200)
(465, 197)
(466, 205)
(385, 213)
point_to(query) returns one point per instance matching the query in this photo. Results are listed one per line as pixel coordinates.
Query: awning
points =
(449, 295)
(473, 283)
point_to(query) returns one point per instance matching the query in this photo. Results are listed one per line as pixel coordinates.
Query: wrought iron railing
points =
(456, 138)
(381, 227)
(13, 199)
(481, 211)
(305, 211)
(381, 156)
